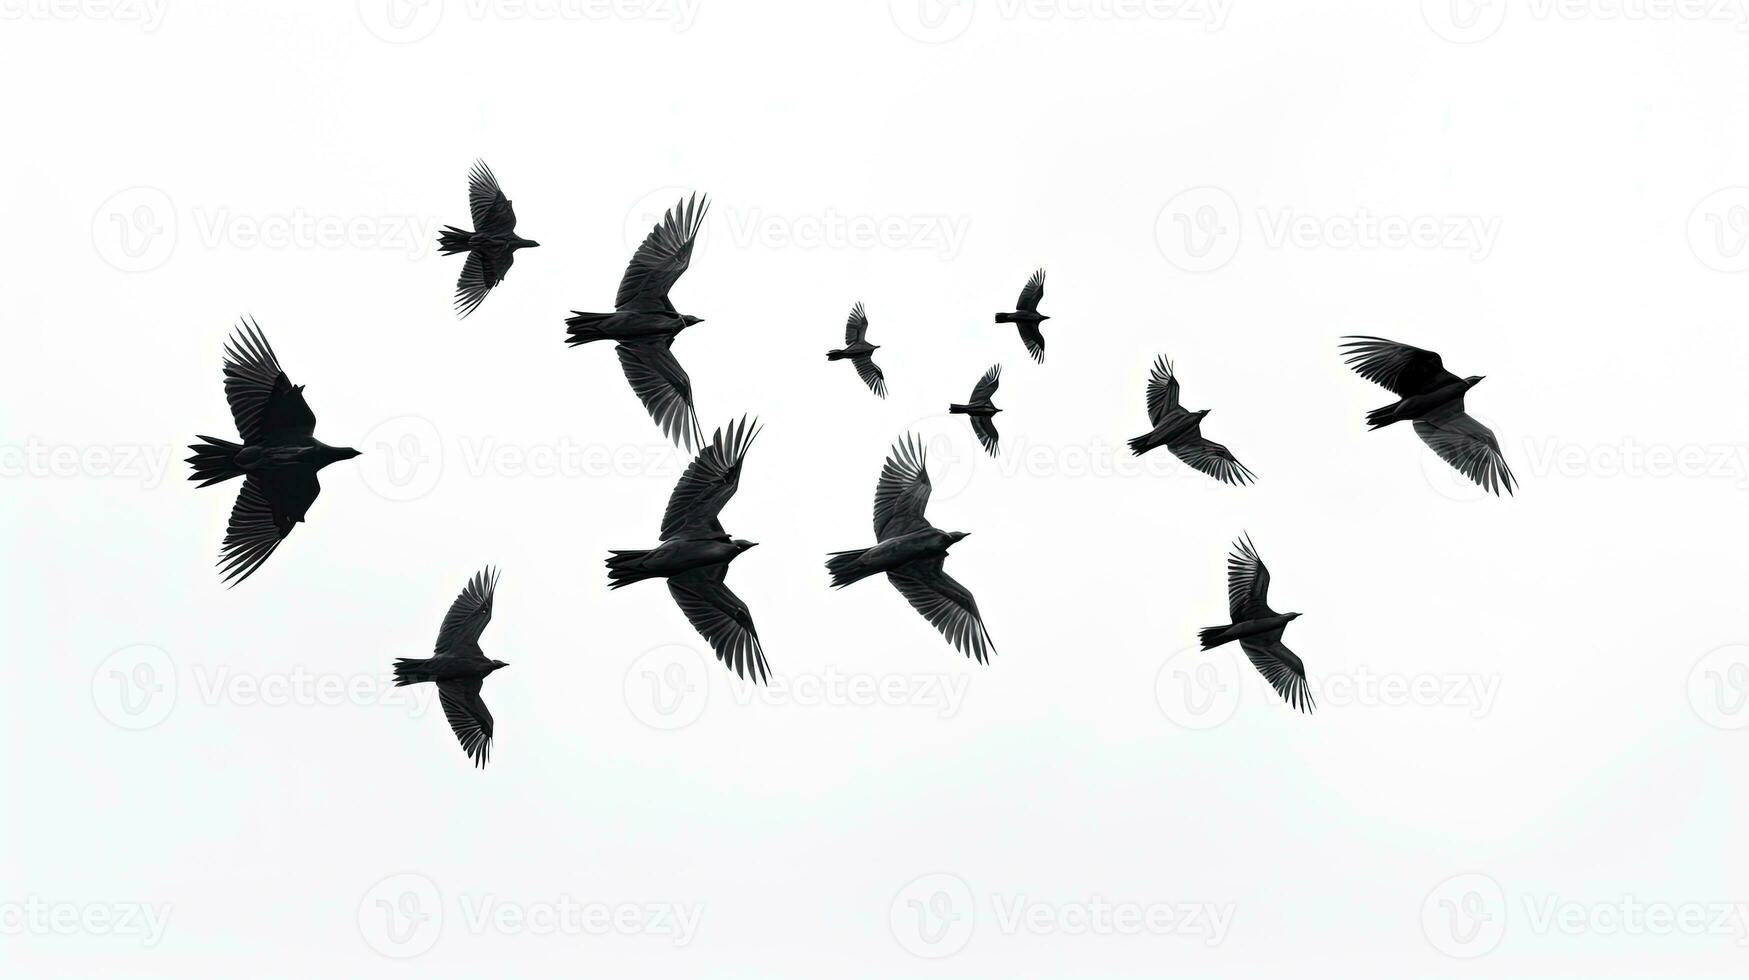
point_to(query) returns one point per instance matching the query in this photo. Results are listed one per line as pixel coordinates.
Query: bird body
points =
(1180, 431)
(986, 410)
(492, 244)
(672, 558)
(859, 352)
(459, 667)
(1258, 628)
(1026, 317)
(1432, 398)
(926, 543)
(1420, 406)
(626, 325)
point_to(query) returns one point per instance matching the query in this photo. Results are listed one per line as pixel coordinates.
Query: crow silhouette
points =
(278, 457)
(911, 551)
(644, 322)
(1434, 398)
(491, 246)
(1258, 628)
(1027, 317)
(458, 667)
(695, 553)
(860, 352)
(1180, 431)
(982, 410)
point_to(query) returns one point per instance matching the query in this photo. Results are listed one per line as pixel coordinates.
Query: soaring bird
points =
(458, 667)
(911, 551)
(644, 322)
(982, 410)
(278, 458)
(1434, 398)
(491, 246)
(1027, 317)
(1180, 431)
(695, 553)
(1258, 628)
(860, 352)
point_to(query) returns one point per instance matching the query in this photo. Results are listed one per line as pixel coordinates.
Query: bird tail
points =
(214, 460)
(846, 567)
(837, 355)
(413, 671)
(1214, 636)
(452, 240)
(1378, 418)
(623, 568)
(584, 327)
(959, 409)
(1004, 318)
(1140, 445)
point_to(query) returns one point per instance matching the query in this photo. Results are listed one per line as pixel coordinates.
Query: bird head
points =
(347, 452)
(1473, 380)
(956, 536)
(498, 663)
(690, 320)
(527, 243)
(1201, 413)
(1293, 616)
(1042, 318)
(742, 544)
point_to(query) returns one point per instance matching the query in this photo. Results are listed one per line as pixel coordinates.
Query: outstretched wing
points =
(721, 618)
(856, 327)
(1212, 458)
(265, 512)
(1032, 292)
(871, 374)
(903, 491)
(1034, 341)
(1247, 583)
(662, 385)
(658, 263)
(491, 210)
(264, 403)
(946, 604)
(484, 269)
(1162, 390)
(1398, 367)
(468, 717)
(467, 617)
(1281, 668)
(987, 385)
(709, 481)
(984, 427)
(1467, 445)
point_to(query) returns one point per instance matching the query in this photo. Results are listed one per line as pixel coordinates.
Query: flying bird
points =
(278, 457)
(491, 246)
(695, 553)
(459, 667)
(982, 410)
(911, 551)
(860, 352)
(1180, 431)
(644, 322)
(1258, 628)
(1027, 317)
(1434, 398)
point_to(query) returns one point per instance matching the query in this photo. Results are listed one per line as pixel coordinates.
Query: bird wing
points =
(265, 512)
(1032, 292)
(1210, 457)
(946, 604)
(467, 617)
(984, 427)
(659, 261)
(491, 210)
(1034, 341)
(871, 374)
(1162, 390)
(1280, 667)
(721, 618)
(987, 384)
(468, 716)
(709, 481)
(1467, 445)
(903, 491)
(856, 326)
(1247, 583)
(264, 403)
(662, 385)
(484, 268)
(1398, 367)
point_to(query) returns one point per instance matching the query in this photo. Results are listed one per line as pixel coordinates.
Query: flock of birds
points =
(279, 457)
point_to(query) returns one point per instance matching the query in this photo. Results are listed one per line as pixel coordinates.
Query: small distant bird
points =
(1434, 398)
(860, 352)
(982, 410)
(278, 458)
(491, 246)
(644, 322)
(695, 553)
(1258, 628)
(1027, 317)
(458, 667)
(1180, 431)
(911, 551)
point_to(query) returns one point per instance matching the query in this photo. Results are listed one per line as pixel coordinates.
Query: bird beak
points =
(533, 244)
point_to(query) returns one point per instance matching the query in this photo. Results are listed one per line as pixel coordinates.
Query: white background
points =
(1533, 696)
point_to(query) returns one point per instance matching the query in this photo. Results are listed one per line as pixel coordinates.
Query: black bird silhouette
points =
(1027, 317)
(861, 352)
(1258, 628)
(491, 246)
(695, 553)
(278, 458)
(1180, 431)
(1434, 398)
(982, 410)
(911, 551)
(644, 322)
(458, 666)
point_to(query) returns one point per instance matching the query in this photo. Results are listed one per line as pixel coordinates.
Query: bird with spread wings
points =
(459, 667)
(860, 352)
(1258, 628)
(981, 410)
(1026, 316)
(1433, 398)
(491, 246)
(1180, 431)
